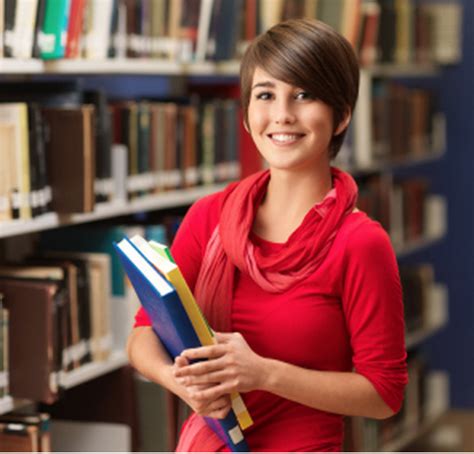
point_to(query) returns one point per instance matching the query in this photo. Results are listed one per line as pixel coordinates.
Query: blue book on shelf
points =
(172, 325)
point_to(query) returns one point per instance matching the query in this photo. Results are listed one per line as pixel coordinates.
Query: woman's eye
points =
(302, 95)
(264, 96)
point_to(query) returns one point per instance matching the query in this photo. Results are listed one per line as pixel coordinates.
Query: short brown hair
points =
(310, 55)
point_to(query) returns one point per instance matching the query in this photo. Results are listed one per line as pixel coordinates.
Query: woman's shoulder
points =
(361, 234)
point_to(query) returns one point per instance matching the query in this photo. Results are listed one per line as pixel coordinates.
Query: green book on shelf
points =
(53, 36)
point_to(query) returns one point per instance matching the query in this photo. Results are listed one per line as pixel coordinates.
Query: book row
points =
(400, 31)
(62, 153)
(401, 124)
(405, 208)
(25, 432)
(67, 326)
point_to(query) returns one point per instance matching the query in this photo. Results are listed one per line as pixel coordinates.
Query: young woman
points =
(302, 287)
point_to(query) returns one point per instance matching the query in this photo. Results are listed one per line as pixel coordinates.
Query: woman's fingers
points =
(206, 352)
(200, 368)
(203, 379)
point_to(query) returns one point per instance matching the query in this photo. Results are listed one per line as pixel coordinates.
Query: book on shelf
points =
(94, 307)
(39, 421)
(15, 437)
(186, 31)
(52, 40)
(174, 326)
(36, 336)
(71, 174)
(18, 162)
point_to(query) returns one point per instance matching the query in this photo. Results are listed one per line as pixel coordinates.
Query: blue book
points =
(172, 325)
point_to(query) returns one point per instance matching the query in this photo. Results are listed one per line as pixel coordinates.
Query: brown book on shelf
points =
(41, 421)
(35, 330)
(158, 141)
(172, 174)
(73, 356)
(189, 145)
(99, 288)
(19, 438)
(71, 157)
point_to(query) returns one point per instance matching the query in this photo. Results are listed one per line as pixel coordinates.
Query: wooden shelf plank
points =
(105, 211)
(93, 370)
(142, 66)
(384, 166)
(8, 403)
(415, 246)
(14, 66)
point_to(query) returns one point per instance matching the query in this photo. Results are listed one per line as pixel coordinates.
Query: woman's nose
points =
(283, 113)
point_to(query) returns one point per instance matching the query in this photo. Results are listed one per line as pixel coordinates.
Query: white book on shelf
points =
(435, 216)
(119, 172)
(446, 33)
(25, 17)
(363, 156)
(204, 25)
(97, 36)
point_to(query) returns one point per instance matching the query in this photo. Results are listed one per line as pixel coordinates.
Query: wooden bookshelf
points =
(415, 246)
(14, 66)
(142, 66)
(108, 210)
(93, 370)
(8, 403)
(412, 434)
(398, 70)
(149, 66)
(436, 316)
(409, 160)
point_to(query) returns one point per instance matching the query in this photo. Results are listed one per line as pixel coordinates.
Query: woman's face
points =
(291, 129)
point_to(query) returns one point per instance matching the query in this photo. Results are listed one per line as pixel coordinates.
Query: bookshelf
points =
(93, 370)
(172, 68)
(103, 211)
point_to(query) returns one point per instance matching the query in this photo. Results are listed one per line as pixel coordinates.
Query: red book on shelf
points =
(74, 29)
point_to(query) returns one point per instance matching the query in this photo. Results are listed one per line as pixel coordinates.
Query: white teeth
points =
(284, 137)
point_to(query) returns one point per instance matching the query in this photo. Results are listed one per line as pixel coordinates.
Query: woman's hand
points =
(231, 366)
(213, 407)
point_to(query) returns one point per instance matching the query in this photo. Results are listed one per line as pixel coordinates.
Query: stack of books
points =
(176, 319)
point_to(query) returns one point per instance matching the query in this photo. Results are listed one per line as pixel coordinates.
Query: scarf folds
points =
(230, 246)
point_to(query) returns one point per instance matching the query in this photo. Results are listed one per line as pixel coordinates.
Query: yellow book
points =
(153, 252)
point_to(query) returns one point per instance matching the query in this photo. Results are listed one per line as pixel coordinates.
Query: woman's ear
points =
(344, 123)
(246, 126)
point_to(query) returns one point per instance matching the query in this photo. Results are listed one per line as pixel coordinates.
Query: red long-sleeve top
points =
(347, 316)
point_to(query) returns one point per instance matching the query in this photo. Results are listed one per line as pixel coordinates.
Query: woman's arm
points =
(235, 367)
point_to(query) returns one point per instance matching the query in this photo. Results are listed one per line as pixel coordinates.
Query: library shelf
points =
(93, 370)
(151, 66)
(394, 164)
(142, 66)
(436, 317)
(401, 70)
(417, 245)
(413, 434)
(8, 404)
(14, 66)
(168, 199)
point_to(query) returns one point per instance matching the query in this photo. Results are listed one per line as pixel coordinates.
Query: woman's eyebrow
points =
(266, 84)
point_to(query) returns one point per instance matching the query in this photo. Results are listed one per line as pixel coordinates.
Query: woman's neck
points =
(288, 199)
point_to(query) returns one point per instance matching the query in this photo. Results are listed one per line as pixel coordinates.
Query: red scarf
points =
(230, 247)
